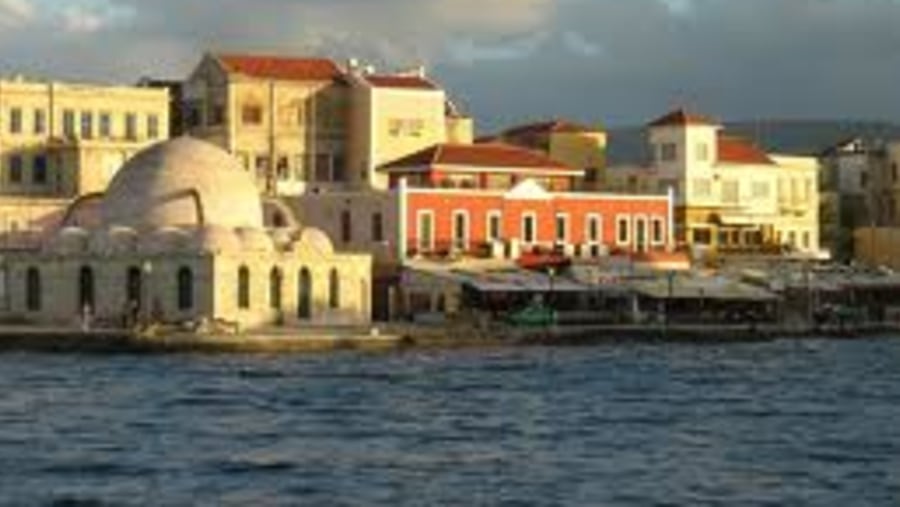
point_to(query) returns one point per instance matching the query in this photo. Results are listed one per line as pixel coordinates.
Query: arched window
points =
(275, 278)
(133, 287)
(334, 289)
(346, 226)
(304, 294)
(243, 287)
(85, 288)
(33, 289)
(185, 288)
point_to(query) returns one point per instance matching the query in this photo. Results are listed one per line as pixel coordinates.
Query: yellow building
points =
(62, 140)
(578, 146)
(731, 196)
(307, 124)
(395, 115)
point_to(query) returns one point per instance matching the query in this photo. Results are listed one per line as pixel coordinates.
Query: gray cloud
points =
(611, 61)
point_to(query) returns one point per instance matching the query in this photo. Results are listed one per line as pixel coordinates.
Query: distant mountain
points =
(796, 137)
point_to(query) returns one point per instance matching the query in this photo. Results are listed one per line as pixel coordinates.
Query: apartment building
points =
(578, 146)
(62, 140)
(731, 196)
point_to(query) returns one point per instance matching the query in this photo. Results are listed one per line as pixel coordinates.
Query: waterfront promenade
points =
(400, 335)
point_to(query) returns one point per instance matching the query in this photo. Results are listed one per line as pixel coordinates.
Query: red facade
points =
(460, 220)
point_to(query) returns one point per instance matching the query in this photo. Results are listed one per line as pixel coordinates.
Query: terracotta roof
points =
(479, 155)
(280, 67)
(681, 117)
(734, 150)
(552, 126)
(398, 81)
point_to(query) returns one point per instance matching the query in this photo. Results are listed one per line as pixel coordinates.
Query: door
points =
(304, 295)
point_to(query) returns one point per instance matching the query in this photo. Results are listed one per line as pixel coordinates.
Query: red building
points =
(495, 199)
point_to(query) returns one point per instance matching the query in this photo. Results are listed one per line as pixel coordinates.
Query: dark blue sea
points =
(781, 423)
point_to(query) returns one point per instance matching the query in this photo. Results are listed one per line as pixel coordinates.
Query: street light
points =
(147, 268)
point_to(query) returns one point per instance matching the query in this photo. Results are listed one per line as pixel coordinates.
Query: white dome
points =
(182, 182)
(216, 239)
(315, 240)
(164, 240)
(70, 241)
(122, 240)
(256, 240)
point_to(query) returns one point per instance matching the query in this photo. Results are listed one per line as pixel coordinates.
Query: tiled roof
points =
(552, 126)
(734, 150)
(280, 67)
(680, 117)
(479, 155)
(399, 81)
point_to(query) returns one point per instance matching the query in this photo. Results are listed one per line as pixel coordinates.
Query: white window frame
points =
(636, 239)
(626, 219)
(656, 219)
(419, 215)
(567, 233)
(465, 232)
(487, 229)
(533, 216)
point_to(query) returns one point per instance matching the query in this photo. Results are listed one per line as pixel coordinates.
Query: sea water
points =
(810, 422)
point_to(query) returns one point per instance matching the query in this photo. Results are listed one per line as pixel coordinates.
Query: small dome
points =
(214, 239)
(69, 241)
(122, 239)
(256, 240)
(182, 182)
(164, 240)
(315, 240)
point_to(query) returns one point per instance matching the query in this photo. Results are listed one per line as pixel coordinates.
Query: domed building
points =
(180, 236)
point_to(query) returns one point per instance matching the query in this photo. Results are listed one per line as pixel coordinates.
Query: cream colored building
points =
(309, 125)
(395, 115)
(284, 118)
(731, 196)
(578, 146)
(61, 140)
(180, 236)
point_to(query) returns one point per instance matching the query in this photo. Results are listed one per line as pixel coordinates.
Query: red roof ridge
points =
(405, 81)
(289, 68)
(739, 150)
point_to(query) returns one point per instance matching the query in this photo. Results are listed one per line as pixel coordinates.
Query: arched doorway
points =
(185, 288)
(33, 289)
(304, 295)
(86, 288)
(133, 291)
(275, 282)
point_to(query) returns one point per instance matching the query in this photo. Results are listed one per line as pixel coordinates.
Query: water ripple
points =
(781, 423)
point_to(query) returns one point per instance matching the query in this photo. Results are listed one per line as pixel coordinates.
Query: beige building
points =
(180, 236)
(578, 146)
(731, 196)
(309, 125)
(63, 140)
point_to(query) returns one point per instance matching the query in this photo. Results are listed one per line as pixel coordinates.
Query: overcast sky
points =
(600, 61)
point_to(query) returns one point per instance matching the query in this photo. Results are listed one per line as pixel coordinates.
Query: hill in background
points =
(796, 137)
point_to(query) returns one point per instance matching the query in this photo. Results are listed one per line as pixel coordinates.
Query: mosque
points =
(181, 236)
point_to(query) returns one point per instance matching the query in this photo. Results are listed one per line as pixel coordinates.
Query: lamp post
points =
(670, 279)
(147, 268)
(551, 272)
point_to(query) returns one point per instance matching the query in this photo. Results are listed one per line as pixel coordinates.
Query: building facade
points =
(310, 125)
(180, 238)
(578, 146)
(731, 197)
(60, 140)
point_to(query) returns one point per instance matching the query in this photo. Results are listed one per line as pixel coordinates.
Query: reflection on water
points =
(785, 423)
